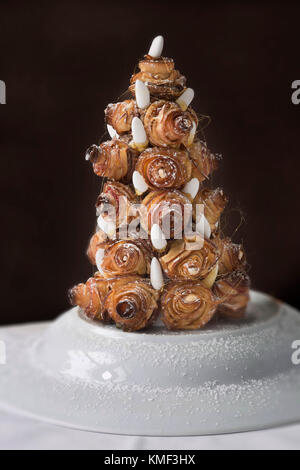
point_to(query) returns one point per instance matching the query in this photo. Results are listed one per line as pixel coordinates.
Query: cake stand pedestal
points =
(227, 377)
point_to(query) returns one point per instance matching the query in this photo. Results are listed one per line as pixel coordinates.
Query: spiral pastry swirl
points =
(232, 292)
(168, 126)
(214, 202)
(120, 115)
(98, 240)
(113, 159)
(115, 203)
(232, 257)
(164, 168)
(182, 264)
(125, 257)
(187, 305)
(170, 209)
(204, 161)
(162, 79)
(90, 297)
(132, 304)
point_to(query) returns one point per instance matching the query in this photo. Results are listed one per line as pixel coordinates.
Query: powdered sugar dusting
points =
(228, 377)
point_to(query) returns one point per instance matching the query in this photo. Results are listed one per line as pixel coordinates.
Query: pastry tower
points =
(158, 247)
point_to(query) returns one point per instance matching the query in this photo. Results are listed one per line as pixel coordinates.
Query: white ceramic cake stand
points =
(228, 377)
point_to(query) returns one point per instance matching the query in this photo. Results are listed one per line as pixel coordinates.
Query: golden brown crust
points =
(214, 202)
(115, 203)
(132, 305)
(169, 209)
(125, 257)
(163, 81)
(164, 168)
(232, 257)
(187, 305)
(113, 159)
(90, 297)
(204, 161)
(182, 264)
(98, 240)
(232, 292)
(160, 67)
(168, 126)
(120, 115)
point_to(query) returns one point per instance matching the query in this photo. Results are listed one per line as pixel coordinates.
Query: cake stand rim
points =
(82, 421)
(234, 327)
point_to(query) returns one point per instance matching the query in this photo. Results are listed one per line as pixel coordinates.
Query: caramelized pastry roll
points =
(187, 305)
(168, 126)
(132, 304)
(126, 257)
(232, 291)
(214, 202)
(204, 161)
(170, 209)
(164, 168)
(90, 297)
(115, 203)
(160, 76)
(182, 264)
(232, 256)
(98, 240)
(120, 115)
(113, 159)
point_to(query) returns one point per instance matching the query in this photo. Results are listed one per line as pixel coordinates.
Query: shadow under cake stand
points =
(227, 377)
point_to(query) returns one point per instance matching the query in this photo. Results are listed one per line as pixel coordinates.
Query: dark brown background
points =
(64, 61)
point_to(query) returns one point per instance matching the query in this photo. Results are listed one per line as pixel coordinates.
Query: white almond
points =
(156, 275)
(157, 238)
(186, 98)
(211, 277)
(139, 183)
(108, 227)
(192, 187)
(142, 94)
(156, 47)
(203, 227)
(192, 134)
(190, 298)
(112, 132)
(139, 135)
(99, 258)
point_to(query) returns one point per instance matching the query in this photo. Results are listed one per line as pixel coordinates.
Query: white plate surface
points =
(228, 377)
